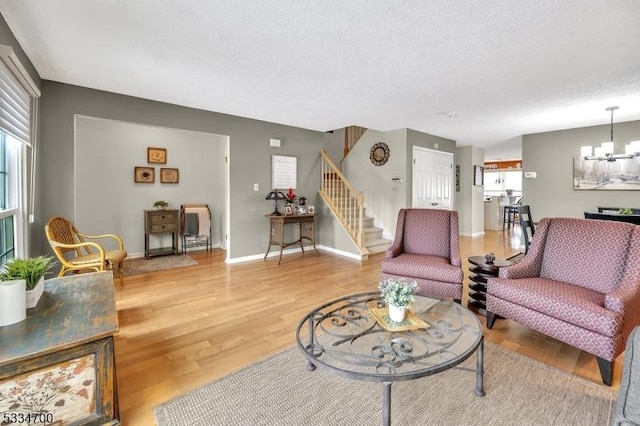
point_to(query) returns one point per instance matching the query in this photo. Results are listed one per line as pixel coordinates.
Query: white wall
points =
(471, 197)
(383, 199)
(106, 196)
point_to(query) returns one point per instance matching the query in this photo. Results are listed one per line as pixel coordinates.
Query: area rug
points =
(280, 391)
(141, 265)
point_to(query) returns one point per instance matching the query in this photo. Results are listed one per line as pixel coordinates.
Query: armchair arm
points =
(454, 247)
(102, 236)
(85, 245)
(396, 248)
(625, 299)
(531, 264)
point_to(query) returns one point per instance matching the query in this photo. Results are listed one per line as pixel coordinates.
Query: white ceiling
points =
(505, 67)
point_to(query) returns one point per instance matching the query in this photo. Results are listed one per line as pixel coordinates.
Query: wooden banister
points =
(343, 200)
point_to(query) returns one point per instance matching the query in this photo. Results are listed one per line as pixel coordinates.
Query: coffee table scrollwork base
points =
(344, 338)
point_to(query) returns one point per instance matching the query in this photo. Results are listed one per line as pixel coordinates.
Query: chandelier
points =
(605, 151)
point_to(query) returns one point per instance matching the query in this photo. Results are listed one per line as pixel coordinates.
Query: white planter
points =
(34, 295)
(397, 313)
(12, 302)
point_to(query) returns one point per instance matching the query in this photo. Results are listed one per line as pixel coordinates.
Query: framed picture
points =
(310, 209)
(144, 175)
(478, 175)
(288, 210)
(169, 175)
(619, 175)
(157, 155)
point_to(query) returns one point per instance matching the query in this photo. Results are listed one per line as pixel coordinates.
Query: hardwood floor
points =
(183, 328)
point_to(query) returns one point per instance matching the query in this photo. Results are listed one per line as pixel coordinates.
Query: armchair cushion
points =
(423, 266)
(573, 304)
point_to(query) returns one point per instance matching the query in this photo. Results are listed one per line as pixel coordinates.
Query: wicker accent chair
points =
(76, 253)
(578, 283)
(426, 250)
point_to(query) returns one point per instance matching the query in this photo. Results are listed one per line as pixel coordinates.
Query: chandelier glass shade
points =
(605, 152)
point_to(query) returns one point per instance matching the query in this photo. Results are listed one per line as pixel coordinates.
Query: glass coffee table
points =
(344, 338)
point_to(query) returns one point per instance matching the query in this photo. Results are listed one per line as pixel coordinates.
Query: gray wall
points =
(551, 154)
(470, 198)
(382, 200)
(119, 202)
(249, 156)
(383, 197)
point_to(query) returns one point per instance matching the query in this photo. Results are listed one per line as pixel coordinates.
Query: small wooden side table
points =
(306, 223)
(481, 270)
(157, 222)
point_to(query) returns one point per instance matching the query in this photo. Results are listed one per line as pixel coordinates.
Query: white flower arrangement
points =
(398, 292)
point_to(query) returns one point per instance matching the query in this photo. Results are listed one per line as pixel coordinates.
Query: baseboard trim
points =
(473, 235)
(307, 250)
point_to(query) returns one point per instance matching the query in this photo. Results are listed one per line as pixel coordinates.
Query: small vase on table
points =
(397, 313)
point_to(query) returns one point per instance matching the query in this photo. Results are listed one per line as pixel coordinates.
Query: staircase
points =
(347, 205)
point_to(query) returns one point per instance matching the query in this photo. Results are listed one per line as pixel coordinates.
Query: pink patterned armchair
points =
(425, 250)
(578, 283)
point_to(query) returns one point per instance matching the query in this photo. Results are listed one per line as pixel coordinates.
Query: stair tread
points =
(378, 241)
(371, 230)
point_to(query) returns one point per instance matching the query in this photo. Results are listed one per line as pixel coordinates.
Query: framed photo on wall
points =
(144, 175)
(156, 155)
(168, 175)
(478, 175)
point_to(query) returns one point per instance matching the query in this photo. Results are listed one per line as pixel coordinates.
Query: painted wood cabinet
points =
(60, 360)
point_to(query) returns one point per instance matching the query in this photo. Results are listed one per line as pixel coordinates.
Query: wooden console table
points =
(306, 223)
(60, 359)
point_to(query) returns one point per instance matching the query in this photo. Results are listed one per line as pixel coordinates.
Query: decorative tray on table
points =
(411, 320)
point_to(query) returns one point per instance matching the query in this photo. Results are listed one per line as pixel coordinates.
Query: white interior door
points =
(432, 179)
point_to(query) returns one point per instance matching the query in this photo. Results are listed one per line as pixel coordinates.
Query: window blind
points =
(16, 89)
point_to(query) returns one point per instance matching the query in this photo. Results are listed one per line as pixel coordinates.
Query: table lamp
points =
(275, 196)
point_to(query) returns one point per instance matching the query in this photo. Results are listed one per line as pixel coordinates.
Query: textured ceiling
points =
(504, 67)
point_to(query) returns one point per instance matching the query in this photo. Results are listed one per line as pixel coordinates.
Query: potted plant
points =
(32, 270)
(399, 295)
(290, 196)
(160, 204)
(13, 307)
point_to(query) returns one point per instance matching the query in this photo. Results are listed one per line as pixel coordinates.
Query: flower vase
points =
(12, 302)
(397, 313)
(34, 295)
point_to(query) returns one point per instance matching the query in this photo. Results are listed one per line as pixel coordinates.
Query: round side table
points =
(480, 271)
